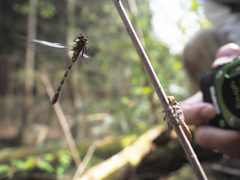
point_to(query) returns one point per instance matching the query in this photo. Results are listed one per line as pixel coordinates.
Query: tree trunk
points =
(30, 51)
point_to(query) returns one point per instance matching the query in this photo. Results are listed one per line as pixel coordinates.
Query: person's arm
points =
(198, 113)
(227, 1)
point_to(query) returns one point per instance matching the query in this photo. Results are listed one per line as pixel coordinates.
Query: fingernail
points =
(208, 111)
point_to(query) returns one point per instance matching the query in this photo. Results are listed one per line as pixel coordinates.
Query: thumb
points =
(199, 113)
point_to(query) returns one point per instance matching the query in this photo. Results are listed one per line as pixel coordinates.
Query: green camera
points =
(221, 87)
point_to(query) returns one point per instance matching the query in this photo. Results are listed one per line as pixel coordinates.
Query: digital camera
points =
(221, 87)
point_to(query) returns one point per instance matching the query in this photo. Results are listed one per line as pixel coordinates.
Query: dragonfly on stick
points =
(79, 48)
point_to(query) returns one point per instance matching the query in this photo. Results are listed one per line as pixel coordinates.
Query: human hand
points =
(198, 113)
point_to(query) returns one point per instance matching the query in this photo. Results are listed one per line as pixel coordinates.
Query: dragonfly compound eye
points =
(82, 38)
(79, 36)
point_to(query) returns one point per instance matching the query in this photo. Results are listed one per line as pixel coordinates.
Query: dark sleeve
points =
(233, 4)
(227, 1)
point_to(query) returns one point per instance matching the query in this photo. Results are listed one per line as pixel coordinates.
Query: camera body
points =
(221, 87)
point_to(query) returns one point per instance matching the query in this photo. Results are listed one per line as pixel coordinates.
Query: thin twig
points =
(62, 120)
(160, 92)
(85, 160)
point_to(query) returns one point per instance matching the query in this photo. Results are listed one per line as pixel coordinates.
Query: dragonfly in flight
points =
(79, 48)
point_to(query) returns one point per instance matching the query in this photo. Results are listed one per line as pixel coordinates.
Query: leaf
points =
(45, 166)
(64, 158)
(4, 168)
(194, 6)
(60, 171)
(48, 157)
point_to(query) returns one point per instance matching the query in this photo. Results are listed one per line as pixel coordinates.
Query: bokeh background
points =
(109, 97)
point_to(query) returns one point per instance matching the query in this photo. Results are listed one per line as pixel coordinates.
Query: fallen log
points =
(122, 163)
(106, 147)
(154, 154)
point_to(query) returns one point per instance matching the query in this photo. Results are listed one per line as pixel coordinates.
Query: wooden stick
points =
(160, 92)
(62, 120)
(85, 160)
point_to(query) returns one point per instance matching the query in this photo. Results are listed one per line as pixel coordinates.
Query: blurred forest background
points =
(106, 100)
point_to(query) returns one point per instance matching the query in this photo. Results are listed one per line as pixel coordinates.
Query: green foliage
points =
(46, 9)
(4, 169)
(196, 8)
(44, 163)
(21, 165)
(194, 5)
(22, 8)
(64, 162)
(64, 157)
(48, 157)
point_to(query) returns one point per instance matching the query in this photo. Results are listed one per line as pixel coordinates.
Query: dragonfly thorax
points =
(80, 42)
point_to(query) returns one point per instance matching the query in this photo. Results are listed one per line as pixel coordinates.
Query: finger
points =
(226, 141)
(226, 54)
(220, 61)
(230, 50)
(199, 113)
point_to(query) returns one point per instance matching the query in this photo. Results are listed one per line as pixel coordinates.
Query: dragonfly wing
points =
(70, 53)
(86, 56)
(51, 44)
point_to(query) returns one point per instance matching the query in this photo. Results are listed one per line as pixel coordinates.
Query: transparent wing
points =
(51, 44)
(55, 45)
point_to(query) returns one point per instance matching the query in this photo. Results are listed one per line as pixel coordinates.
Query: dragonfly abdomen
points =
(56, 95)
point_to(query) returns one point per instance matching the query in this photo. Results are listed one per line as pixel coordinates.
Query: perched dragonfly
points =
(79, 48)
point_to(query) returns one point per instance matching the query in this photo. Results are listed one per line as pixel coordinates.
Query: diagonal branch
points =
(62, 120)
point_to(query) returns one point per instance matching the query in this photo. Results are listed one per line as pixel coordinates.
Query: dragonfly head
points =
(82, 38)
